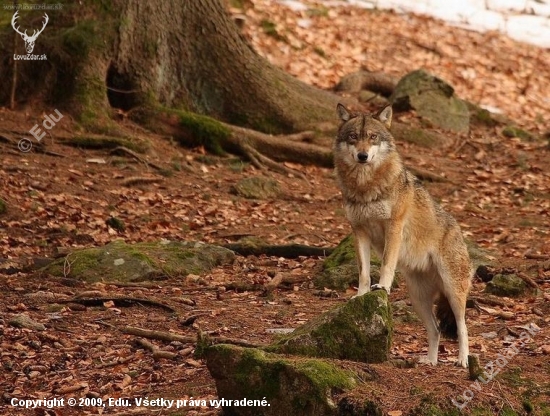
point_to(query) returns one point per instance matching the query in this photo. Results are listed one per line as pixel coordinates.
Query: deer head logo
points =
(29, 40)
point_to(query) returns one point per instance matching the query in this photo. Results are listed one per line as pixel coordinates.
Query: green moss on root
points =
(205, 130)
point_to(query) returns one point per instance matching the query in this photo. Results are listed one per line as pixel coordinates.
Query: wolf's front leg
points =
(362, 251)
(390, 257)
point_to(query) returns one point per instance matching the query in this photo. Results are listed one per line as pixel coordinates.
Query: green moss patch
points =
(360, 330)
(515, 131)
(433, 99)
(121, 262)
(290, 385)
(205, 131)
(506, 285)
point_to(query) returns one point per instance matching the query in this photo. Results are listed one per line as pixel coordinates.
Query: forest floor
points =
(497, 188)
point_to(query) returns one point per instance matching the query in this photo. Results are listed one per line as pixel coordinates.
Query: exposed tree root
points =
(377, 82)
(263, 150)
(285, 148)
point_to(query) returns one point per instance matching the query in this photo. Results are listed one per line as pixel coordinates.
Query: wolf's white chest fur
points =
(363, 213)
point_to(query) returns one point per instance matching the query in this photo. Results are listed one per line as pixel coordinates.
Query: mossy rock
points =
(257, 187)
(483, 117)
(419, 136)
(506, 285)
(289, 385)
(121, 262)
(340, 269)
(359, 330)
(3, 206)
(515, 131)
(433, 99)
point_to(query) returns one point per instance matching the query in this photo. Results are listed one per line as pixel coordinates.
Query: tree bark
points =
(196, 59)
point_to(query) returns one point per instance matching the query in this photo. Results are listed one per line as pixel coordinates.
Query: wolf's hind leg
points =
(422, 292)
(456, 297)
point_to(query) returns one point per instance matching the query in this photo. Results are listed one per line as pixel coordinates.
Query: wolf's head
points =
(362, 138)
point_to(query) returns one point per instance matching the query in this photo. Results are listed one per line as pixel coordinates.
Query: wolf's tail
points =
(446, 318)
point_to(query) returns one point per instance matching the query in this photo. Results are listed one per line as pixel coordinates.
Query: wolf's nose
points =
(363, 157)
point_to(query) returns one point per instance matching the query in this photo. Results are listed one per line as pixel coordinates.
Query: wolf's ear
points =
(343, 112)
(385, 116)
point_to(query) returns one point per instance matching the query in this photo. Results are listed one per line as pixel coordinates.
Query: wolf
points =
(391, 212)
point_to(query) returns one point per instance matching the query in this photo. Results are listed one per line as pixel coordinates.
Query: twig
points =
(169, 337)
(125, 150)
(157, 353)
(492, 301)
(140, 180)
(426, 175)
(273, 283)
(527, 280)
(119, 301)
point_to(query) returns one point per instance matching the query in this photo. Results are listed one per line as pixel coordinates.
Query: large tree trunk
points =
(149, 59)
(200, 62)
(184, 54)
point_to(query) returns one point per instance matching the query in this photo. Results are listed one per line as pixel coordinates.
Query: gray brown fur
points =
(390, 211)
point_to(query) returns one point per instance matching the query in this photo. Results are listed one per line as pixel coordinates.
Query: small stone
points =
(25, 321)
(506, 285)
(257, 187)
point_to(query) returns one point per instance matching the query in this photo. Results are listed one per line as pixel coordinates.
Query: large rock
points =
(340, 270)
(121, 262)
(433, 99)
(288, 386)
(359, 330)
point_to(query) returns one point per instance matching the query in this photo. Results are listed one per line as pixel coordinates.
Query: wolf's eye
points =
(352, 136)
(374, 136)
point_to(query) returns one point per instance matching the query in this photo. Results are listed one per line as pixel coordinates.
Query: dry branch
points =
(119, 301)
(169, 337)
(528, 280)
(125, 151)
(157, 352)
(289, 251)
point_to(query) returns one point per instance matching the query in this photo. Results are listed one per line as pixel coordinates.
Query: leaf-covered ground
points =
(497, 188)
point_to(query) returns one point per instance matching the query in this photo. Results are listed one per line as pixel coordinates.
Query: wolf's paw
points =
(425, 360)
(379, 287)
(462, 363)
